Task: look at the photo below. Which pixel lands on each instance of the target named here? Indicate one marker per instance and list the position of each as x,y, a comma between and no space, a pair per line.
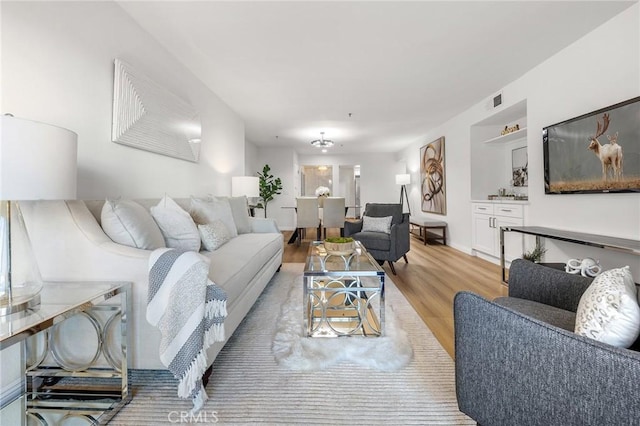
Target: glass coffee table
343,294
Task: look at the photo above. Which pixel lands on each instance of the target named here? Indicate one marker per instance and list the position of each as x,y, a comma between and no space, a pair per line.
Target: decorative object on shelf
269,186
511,129
147,116
38,162
586,267
432,176
322,142
340,246
403,180
322,192
536,254
520,167
569,148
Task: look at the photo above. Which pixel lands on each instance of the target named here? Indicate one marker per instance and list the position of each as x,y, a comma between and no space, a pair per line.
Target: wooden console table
601,241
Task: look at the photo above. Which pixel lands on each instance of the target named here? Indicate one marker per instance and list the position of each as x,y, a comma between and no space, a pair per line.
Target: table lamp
246,185
404,180
38,161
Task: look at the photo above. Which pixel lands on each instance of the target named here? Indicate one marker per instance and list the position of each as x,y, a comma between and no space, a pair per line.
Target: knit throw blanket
189,310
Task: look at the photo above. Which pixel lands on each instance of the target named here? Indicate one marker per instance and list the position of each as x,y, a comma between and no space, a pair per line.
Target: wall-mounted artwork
149,117
519,167
432,174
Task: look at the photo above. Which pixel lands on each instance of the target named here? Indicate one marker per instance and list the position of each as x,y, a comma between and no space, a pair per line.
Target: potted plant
339,245
269,186
536,254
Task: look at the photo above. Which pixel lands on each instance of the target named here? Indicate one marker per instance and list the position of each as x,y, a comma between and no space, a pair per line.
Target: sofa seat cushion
374,240
237,262
549,314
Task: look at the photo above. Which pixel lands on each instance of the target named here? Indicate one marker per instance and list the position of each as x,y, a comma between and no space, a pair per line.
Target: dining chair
333,214
307,216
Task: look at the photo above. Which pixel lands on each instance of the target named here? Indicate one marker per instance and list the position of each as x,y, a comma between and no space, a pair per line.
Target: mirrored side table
72,352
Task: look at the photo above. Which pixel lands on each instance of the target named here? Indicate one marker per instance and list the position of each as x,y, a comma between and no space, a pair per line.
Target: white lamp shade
38,161
245,185
404,179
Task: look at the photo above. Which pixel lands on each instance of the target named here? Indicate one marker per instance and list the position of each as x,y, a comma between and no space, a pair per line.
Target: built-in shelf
509,137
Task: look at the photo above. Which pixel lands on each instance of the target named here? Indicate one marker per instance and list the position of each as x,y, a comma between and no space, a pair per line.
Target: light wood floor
434,274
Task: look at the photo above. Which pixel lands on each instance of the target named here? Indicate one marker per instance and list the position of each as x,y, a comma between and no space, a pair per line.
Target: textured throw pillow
608,310
240,212
209,209
214,234
127,222
376,224
177,227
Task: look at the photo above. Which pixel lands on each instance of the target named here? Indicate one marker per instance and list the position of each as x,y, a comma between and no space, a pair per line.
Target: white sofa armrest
262,226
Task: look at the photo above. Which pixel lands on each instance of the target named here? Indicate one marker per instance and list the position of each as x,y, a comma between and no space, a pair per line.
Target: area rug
248,386
292,349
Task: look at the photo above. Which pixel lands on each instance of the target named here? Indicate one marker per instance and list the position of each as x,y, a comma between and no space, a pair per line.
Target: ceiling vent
495,101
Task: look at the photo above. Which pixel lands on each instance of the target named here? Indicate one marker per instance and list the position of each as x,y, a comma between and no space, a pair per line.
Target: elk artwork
610,154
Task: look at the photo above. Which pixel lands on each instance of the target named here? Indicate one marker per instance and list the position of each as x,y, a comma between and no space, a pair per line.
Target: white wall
251,166
568,84
57,67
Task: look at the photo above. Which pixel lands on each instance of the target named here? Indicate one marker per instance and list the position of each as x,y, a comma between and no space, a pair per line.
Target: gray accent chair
518,361
383,247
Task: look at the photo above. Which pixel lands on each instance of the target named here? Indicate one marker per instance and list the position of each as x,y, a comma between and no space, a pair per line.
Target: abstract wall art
432,177
149,117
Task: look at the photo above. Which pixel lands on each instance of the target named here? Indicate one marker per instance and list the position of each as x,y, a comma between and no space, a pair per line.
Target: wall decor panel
147,116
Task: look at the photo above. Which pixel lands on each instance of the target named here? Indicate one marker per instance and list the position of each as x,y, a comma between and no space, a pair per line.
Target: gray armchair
518,361
383,247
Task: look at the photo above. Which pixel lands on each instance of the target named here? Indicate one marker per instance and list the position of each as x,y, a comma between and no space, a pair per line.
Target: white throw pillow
376,224
177,227
608,310
214,234
127,222
240,212
209,209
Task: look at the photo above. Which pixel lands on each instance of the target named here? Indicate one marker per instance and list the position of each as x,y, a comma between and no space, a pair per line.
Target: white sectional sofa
70,244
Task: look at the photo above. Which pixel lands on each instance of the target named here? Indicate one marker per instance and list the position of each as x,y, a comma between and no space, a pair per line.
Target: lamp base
18,304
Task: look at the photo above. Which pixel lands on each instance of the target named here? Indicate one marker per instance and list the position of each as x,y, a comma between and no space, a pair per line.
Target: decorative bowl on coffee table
339,246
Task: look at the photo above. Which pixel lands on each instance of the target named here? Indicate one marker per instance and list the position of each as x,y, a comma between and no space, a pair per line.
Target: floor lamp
37,162
404,180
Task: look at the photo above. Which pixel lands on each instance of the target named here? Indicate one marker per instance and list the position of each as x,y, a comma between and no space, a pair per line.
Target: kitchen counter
502,201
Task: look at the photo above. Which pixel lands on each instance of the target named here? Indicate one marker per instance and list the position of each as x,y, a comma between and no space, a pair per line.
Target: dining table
294,235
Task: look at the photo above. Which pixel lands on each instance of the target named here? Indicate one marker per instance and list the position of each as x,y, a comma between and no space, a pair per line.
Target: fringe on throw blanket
189,310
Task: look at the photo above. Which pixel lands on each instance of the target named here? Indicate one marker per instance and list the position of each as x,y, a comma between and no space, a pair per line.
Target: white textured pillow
177,227
608,310
214,234
240,212
127,222
207,210
376,224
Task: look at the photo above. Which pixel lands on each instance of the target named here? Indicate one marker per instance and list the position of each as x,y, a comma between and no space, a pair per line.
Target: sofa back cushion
127,222
206,210
240,212
177,227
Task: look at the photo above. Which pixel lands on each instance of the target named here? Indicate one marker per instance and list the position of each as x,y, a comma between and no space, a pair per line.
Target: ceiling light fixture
322,142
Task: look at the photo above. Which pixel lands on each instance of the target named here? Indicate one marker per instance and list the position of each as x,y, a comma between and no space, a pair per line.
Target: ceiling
374,76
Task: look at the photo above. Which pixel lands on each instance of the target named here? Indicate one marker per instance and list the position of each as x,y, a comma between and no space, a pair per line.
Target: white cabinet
487,220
